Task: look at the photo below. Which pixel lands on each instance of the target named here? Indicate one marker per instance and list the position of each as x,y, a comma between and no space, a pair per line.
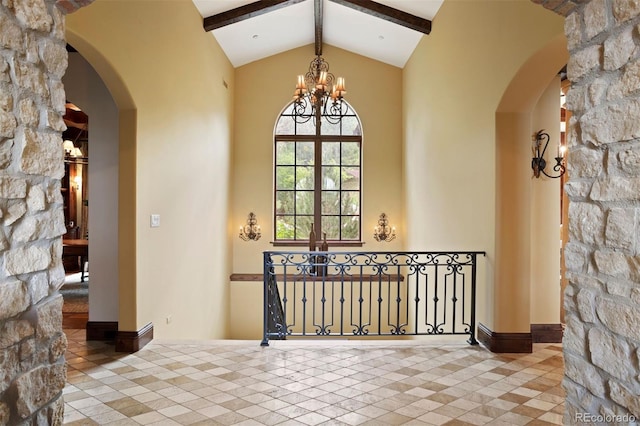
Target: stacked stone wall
33,59
602,301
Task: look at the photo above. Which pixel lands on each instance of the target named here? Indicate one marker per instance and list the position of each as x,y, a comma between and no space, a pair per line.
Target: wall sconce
538,162
250,231
384,232
77,181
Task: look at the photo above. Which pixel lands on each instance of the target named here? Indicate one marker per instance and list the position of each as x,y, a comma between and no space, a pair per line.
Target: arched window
318,173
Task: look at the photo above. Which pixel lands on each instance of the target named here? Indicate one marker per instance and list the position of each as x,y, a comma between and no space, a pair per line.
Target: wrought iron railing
357,294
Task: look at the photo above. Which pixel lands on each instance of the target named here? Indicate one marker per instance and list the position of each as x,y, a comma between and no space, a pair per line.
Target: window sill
306,243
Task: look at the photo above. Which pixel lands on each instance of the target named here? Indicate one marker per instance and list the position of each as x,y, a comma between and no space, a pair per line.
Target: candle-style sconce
250,231
384,232
538,163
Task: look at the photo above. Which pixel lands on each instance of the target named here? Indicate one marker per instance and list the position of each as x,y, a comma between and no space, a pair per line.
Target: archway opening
91,81
519,201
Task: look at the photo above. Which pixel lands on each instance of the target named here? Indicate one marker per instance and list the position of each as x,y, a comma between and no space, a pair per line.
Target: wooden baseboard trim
133,341
102,330
547,333
505,342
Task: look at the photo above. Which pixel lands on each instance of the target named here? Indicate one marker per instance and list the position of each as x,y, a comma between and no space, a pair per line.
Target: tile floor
311,383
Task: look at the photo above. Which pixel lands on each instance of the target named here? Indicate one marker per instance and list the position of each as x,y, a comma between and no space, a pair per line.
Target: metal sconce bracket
538,163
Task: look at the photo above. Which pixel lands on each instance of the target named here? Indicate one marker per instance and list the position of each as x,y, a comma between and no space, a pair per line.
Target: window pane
304,202
284,177
350,153
331,178
284,153
303,227
304,178
330,153
330,202
284,202
285,126
308,128
330,128
288,110
350,228
351,178
350,203
304,153
331,225
351,126
285,228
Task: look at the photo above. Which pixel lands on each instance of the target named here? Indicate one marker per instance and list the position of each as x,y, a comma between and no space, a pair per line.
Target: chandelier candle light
251,231
318,93
538,163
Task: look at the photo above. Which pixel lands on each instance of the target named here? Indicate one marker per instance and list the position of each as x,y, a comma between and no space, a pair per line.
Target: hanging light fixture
538,163
68,147
72,153
319,94
77,152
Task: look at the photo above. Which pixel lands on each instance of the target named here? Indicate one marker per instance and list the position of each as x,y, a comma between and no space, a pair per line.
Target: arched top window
318,173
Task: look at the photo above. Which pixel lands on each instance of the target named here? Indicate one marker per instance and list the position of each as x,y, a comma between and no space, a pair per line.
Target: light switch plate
155,220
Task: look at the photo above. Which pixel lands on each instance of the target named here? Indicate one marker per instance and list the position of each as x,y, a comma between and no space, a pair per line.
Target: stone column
602,338
33,59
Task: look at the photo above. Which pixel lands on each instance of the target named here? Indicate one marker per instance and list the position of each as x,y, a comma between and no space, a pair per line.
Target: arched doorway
92,83
75,243
516,203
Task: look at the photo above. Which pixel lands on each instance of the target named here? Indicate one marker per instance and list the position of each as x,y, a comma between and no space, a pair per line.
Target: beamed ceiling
385,30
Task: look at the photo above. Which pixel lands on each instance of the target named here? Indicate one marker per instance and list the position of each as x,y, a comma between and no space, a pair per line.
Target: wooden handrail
328,277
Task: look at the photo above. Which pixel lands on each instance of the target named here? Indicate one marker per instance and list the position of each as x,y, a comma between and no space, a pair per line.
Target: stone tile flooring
310,383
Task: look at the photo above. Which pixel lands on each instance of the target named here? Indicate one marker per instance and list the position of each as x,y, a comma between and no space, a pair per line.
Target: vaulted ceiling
384,30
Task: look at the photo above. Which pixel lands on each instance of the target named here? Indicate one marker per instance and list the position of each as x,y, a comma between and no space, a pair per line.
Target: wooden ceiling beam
242,13
317,13
388,14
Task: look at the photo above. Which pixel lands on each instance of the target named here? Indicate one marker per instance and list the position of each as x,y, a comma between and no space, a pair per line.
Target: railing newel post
472,324
265,269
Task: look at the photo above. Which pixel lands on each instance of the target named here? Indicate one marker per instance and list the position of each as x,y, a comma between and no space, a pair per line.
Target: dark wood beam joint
242,13
317,12
388,14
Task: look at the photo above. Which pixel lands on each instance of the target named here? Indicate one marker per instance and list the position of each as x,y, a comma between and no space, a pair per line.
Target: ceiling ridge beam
317,13
242,13
387,13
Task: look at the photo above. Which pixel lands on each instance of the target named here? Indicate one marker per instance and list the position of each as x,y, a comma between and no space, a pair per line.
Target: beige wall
262,90
453,85
545,216
508,302
438,188
166,75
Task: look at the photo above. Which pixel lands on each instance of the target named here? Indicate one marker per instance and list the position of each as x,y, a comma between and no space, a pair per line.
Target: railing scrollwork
344,294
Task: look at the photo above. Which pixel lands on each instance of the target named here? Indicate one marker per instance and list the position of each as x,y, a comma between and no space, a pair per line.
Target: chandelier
319,95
